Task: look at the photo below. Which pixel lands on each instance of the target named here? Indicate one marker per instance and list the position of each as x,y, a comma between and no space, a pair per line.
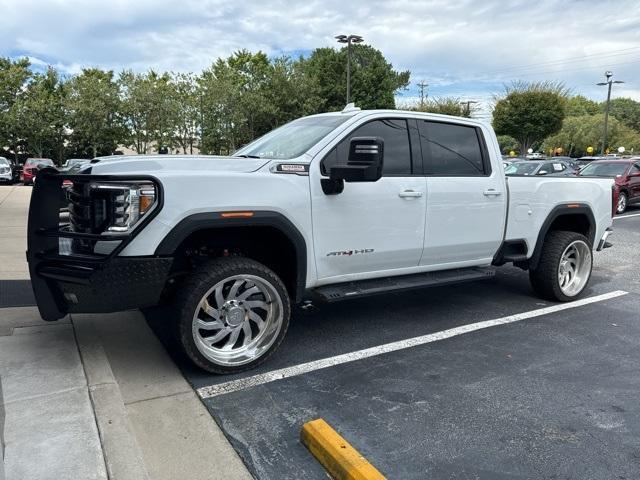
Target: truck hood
149,164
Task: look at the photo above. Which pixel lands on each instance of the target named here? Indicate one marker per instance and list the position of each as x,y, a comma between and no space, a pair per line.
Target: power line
626,51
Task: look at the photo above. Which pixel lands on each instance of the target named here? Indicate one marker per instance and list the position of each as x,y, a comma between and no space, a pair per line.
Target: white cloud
464,48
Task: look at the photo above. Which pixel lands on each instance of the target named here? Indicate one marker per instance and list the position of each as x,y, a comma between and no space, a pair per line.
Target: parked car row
624,171
626,174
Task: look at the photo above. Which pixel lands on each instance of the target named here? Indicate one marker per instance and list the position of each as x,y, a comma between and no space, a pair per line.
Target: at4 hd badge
348,253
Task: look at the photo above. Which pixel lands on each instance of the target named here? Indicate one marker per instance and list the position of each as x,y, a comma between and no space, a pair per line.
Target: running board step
363,288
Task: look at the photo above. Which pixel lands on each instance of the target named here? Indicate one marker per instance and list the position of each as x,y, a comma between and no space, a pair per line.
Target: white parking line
626,216
261,379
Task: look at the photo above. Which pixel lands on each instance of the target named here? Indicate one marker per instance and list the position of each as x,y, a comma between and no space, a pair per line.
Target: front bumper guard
66,282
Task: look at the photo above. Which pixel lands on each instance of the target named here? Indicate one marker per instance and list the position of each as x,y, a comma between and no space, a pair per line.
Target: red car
625,172
30,169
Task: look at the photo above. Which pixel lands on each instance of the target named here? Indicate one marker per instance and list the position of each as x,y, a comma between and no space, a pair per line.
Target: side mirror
542,172
364,164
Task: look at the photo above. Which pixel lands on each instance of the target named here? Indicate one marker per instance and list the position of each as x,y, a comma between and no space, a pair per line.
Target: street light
609,82
349,39
467,109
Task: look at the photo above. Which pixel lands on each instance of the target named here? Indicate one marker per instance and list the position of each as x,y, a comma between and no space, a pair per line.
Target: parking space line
626,216
268,377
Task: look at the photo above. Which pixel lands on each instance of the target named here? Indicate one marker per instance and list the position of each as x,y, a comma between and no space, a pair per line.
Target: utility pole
423,86
467,110
349,39
609,75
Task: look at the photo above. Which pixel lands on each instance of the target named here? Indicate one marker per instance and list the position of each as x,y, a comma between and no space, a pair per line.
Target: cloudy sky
466,48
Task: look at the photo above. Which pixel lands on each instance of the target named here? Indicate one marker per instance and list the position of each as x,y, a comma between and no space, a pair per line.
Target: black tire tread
544,279
184,301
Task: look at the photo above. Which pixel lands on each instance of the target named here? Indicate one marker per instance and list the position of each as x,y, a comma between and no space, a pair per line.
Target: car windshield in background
4,162
293,139
39,161
598,169
522,168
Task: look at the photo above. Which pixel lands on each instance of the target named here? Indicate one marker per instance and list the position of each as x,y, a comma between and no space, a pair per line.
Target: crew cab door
369,226
466,196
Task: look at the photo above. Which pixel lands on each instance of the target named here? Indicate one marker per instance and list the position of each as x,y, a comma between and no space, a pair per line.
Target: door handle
491,192
409,194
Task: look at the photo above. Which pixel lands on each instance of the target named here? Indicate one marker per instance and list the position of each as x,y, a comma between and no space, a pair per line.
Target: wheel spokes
233,338
215,325
248,334
248,292
257,304
233,291
256,319
218,336
209,310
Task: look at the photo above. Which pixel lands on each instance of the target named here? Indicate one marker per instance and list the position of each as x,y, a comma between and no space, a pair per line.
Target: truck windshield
598,169
4,162
293,139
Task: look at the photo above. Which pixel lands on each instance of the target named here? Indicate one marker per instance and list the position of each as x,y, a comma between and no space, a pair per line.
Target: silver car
540,167
6,175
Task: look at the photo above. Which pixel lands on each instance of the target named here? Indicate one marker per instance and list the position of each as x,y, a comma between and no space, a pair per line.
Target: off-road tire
544,278
194,288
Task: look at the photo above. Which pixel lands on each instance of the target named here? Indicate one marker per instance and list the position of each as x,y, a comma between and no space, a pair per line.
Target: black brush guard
72,282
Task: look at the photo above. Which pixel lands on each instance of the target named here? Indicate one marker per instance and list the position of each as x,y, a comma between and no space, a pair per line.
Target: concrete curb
123,456
337,456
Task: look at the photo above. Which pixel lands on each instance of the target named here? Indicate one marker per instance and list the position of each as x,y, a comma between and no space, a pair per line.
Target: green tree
187,114
374,82
246,95
530,112
148,110
14,75
627,111
41,115
579,105
507,144
445,106
578,133
94,106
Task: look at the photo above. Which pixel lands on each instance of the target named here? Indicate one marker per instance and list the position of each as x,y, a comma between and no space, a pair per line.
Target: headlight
122,206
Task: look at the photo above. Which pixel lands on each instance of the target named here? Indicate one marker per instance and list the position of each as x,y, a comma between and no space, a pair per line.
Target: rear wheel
622,203
564,268
232,314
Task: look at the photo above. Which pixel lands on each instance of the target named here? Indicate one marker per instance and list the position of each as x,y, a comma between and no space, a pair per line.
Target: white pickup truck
327,207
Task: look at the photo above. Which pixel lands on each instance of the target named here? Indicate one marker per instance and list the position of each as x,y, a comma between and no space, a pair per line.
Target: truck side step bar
363,288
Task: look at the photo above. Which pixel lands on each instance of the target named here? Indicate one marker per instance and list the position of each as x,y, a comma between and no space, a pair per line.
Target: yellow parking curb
337,456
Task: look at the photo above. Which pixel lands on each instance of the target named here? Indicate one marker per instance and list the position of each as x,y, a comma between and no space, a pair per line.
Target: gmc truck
326,208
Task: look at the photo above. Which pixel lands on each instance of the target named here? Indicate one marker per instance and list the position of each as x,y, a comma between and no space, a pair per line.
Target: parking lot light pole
609,75
349,39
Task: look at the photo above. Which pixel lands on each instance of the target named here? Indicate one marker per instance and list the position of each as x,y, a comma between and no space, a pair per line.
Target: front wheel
564,268
622,203
232,314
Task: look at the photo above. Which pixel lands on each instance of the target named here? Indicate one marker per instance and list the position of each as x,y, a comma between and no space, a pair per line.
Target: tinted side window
451,149
397,151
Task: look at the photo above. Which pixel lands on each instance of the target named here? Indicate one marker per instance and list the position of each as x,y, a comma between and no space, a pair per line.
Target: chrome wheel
574,268
237,320
622,203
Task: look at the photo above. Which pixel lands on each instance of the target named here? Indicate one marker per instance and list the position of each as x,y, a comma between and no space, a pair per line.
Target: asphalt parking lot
552,394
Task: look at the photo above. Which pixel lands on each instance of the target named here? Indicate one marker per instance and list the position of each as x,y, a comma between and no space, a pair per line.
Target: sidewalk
96,396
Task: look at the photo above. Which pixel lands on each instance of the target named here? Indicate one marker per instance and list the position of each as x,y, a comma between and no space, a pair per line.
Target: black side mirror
364,163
